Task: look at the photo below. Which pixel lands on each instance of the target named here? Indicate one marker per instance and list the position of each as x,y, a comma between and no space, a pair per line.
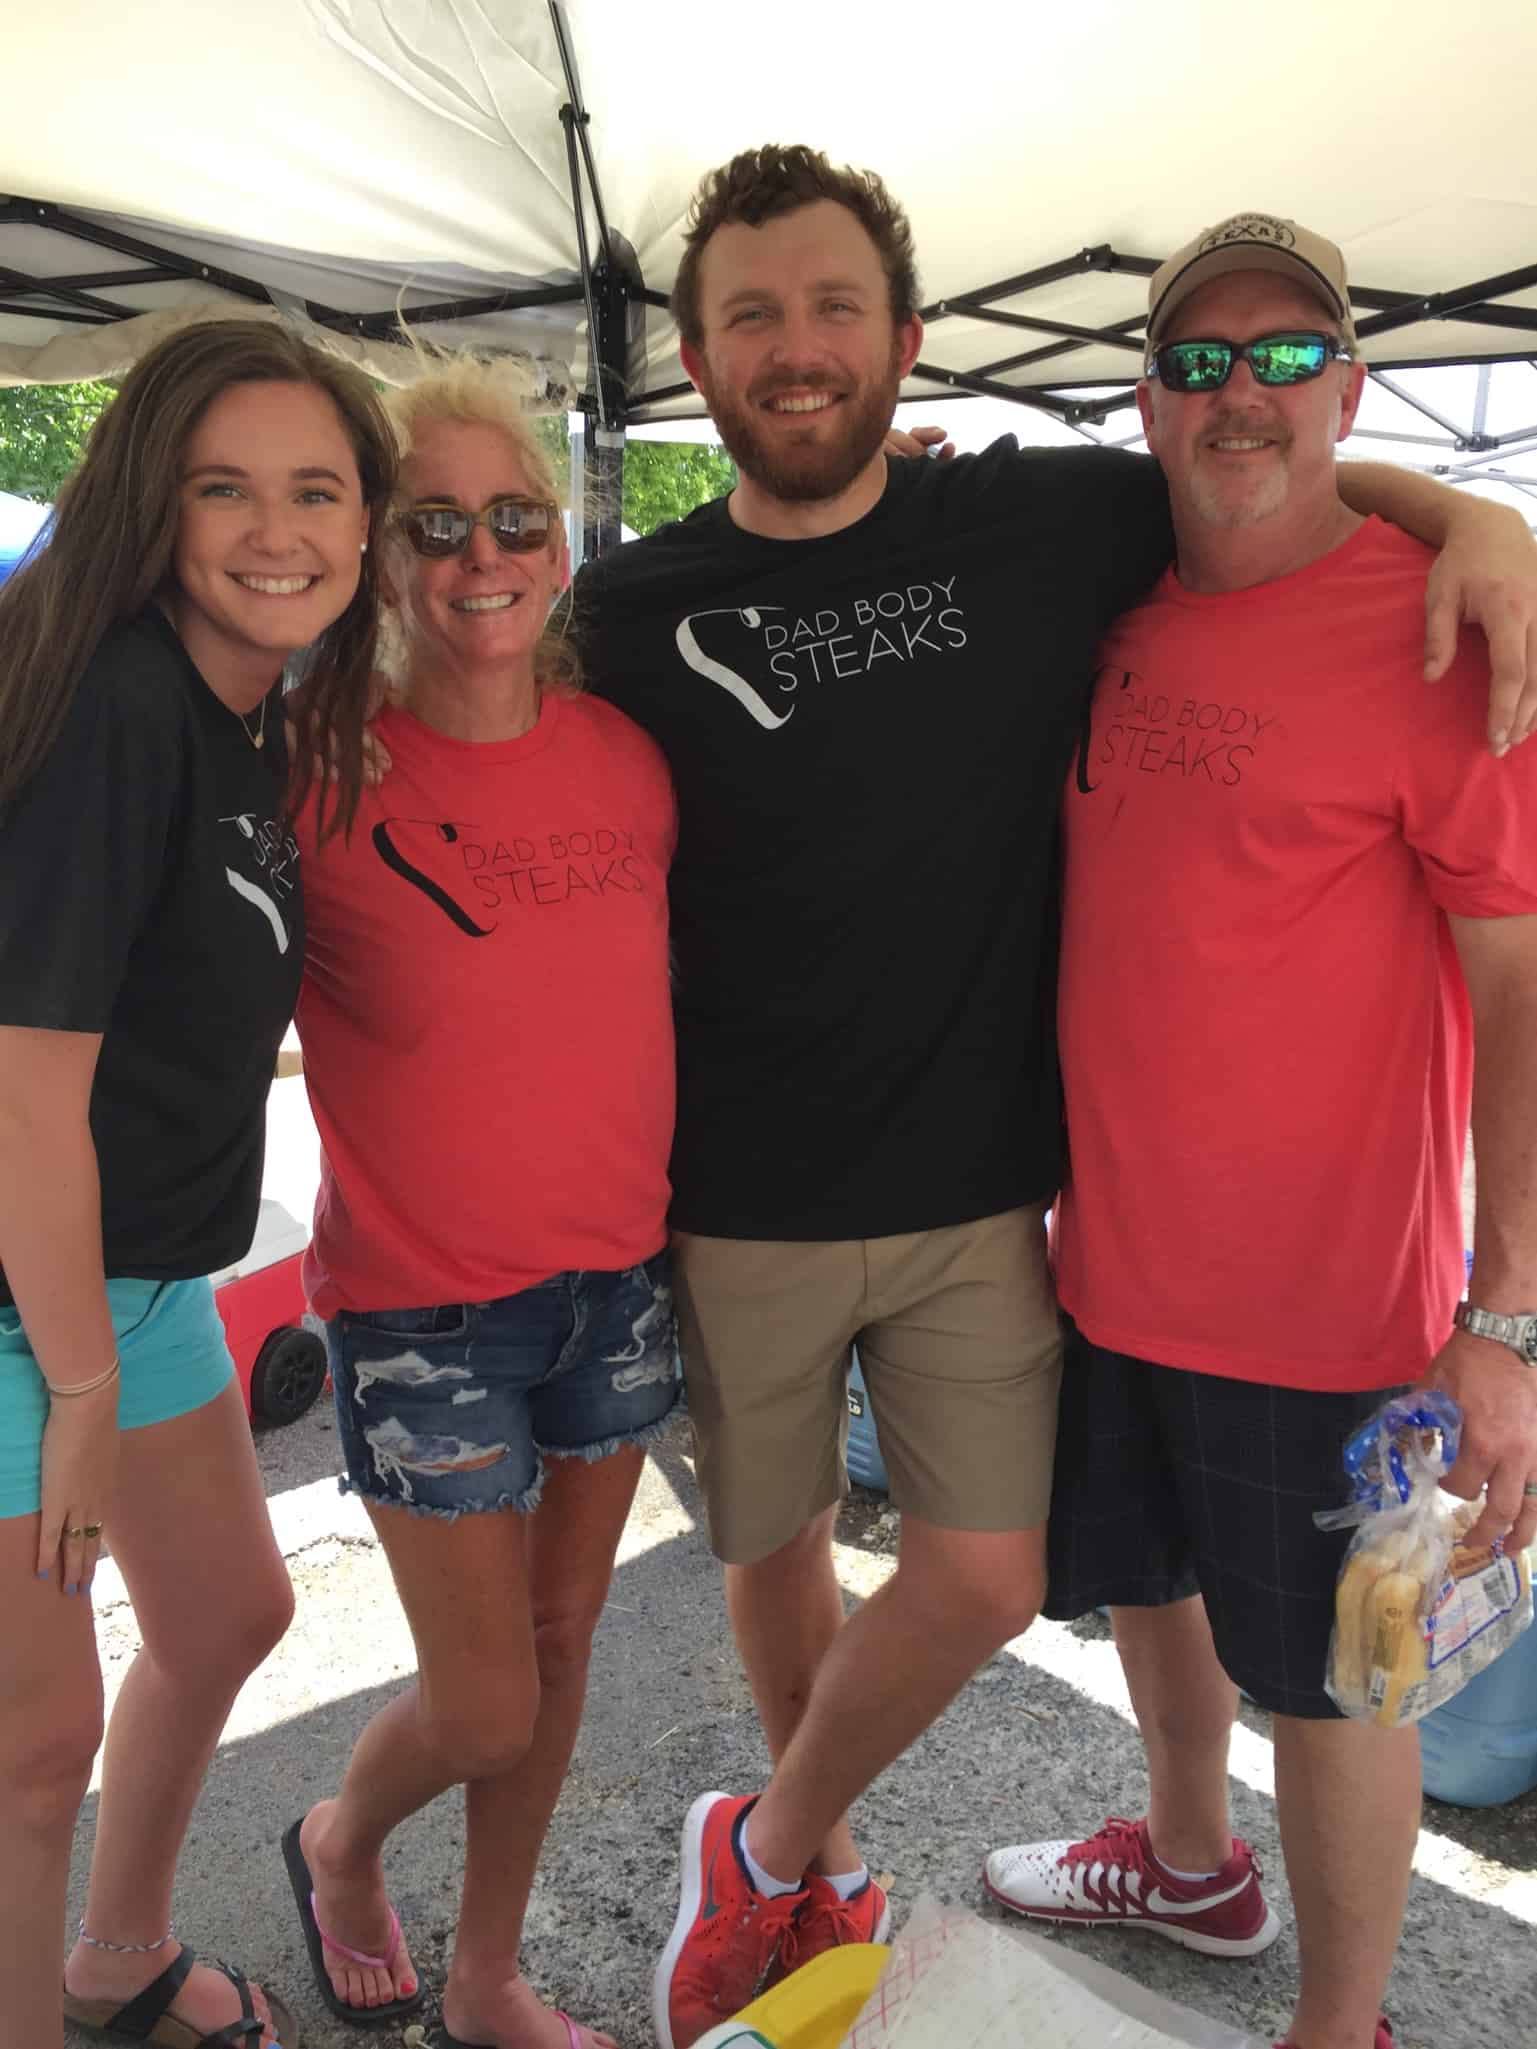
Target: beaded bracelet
126,1949
86,1386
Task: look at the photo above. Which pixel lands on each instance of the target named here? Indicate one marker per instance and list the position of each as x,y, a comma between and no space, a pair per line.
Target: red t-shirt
1266,1044
486,1014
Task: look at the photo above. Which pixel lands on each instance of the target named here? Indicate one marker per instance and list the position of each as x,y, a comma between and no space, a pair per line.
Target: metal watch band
1518,1332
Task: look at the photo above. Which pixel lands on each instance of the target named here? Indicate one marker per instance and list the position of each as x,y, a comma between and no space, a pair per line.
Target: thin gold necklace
259,737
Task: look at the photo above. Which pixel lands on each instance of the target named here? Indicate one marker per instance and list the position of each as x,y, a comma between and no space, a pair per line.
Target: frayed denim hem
647,1435
523,1504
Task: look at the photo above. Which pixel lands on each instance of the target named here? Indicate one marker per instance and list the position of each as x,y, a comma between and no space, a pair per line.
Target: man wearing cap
1298,887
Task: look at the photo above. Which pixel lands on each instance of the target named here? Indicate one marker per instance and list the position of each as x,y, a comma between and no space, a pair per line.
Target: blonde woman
488,1045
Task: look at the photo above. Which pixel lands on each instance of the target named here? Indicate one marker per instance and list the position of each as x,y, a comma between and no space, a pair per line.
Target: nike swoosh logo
1157,1901
709,1906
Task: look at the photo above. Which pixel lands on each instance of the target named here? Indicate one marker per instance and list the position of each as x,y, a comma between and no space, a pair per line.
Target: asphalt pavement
1040,1744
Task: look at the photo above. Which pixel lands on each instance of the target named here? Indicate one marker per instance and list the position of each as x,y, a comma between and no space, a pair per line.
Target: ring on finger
95,1529
1530,1490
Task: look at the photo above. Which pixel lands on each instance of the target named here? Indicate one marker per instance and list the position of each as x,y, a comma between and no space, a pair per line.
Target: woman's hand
80,1442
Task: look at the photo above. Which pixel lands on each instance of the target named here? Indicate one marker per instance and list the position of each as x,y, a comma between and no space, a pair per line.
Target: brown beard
799,476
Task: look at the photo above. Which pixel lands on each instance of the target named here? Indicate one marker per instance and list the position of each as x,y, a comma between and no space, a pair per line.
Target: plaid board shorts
1170,1483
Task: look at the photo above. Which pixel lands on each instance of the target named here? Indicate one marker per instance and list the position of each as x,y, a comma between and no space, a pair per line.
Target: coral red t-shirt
1266,1042
486,1014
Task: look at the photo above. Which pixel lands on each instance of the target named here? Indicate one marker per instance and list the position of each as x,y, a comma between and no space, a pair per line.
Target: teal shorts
171,1342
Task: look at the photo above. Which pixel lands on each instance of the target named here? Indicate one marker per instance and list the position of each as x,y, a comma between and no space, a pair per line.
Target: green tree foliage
43,429
663,480
666,480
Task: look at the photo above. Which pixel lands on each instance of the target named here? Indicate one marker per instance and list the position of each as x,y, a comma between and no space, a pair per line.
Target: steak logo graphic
444,832
1130,724
746,694
467,872
275,853
758,653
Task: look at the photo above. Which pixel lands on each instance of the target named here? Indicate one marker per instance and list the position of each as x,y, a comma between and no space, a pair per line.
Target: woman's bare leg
190,1533
572,1538
502,1607
50,1726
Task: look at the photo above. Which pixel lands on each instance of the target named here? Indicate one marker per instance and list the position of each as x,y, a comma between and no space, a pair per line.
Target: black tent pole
605,290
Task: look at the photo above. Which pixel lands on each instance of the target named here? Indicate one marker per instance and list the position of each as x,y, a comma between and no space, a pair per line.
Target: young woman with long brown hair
150,952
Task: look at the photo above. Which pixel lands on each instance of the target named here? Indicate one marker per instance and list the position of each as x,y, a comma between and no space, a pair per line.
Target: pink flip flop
358,1956
316,1941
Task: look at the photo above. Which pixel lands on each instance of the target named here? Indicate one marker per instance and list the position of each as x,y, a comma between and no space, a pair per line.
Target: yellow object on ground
813,2008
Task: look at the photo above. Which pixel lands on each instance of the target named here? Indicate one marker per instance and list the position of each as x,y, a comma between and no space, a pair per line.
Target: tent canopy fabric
347,158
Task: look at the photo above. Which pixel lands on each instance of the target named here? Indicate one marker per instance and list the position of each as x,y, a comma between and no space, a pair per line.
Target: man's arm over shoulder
1485,575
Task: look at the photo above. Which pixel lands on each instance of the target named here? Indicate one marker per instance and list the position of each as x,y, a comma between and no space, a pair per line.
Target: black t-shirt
869,734
149,891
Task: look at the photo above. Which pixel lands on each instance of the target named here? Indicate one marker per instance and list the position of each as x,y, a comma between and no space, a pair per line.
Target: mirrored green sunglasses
1275,359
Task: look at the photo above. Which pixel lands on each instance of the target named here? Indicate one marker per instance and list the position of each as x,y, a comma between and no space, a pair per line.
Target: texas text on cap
1250,241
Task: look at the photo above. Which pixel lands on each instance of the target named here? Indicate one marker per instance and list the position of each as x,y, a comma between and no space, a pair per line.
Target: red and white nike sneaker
1113,1880
724,1944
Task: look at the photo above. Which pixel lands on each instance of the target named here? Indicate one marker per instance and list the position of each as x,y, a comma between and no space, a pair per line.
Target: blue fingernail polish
45,1574
72,1590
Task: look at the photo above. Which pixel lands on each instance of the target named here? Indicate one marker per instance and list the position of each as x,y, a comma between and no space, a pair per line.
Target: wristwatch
1519,1332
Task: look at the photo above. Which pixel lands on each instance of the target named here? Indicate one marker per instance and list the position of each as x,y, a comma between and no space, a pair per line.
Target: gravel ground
1039,1744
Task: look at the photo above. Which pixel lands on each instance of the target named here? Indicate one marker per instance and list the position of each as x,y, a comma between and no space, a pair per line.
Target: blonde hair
477,391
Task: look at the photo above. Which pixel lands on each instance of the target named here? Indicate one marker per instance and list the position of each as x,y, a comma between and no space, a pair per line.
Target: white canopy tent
517,174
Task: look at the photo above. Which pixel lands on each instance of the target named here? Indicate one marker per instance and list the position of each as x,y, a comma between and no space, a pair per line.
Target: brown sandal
147,2016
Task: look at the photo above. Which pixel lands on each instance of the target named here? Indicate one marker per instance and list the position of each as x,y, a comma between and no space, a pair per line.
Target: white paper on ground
957,1982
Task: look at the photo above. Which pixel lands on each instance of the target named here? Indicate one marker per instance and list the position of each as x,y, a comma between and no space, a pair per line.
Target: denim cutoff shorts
450,1410
171,1342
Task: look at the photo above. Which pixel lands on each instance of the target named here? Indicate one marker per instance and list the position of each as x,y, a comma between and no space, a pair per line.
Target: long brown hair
110,547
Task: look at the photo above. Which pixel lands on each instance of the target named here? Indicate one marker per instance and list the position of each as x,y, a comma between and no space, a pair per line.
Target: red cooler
282,1366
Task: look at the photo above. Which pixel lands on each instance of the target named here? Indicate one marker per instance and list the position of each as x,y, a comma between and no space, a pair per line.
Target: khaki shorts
959,1344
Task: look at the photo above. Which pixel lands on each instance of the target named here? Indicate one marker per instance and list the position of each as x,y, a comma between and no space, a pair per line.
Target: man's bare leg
1348,1796
785,1611
1185,1706
955,1598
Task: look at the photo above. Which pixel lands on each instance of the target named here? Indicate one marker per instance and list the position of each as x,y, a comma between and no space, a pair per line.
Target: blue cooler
1481,1747
863,1451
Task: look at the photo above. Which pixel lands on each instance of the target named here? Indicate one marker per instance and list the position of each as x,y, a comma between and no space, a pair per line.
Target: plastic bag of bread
1417,1613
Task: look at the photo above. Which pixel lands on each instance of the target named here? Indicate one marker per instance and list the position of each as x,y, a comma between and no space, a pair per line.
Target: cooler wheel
289,1373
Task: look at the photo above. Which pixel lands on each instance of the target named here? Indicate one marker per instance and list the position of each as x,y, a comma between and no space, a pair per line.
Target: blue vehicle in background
20,523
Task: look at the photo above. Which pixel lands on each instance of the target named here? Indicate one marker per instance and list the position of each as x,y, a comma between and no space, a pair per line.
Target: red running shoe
1113,1880
725,1941
825,1921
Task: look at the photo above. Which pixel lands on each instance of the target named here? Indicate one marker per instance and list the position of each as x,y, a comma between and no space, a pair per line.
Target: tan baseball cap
1250,241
